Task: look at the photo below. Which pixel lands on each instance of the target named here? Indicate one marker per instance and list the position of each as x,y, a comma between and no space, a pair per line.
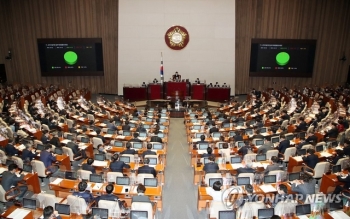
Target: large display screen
71,57
282,58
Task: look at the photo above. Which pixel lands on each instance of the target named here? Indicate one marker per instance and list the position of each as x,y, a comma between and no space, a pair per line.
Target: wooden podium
198,91
135,93
155,91
177,90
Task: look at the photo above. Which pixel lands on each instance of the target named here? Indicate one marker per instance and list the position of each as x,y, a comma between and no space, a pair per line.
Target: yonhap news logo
234,197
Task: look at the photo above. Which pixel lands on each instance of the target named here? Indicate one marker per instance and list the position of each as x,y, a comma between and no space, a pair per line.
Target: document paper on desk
97,186
298,158
339,215
121,136
236,165
99,163
65,141
303,217
325,154
268,188
57,181
2,169
19,213
108,136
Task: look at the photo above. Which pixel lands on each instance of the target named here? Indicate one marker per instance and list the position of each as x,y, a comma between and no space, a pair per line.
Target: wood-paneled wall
328,21
23,21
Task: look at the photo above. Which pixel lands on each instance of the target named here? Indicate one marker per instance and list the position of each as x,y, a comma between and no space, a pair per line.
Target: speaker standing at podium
176,77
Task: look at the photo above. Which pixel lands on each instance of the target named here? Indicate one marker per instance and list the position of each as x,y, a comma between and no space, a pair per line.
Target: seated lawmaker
10,149
311,159
274,165
147,169
49,213
209,152
83,193
302,126
248,168
176,77
109,196
116,165
28,153
149,151
128,149
304,186
211,166
140,197
10,179
88,165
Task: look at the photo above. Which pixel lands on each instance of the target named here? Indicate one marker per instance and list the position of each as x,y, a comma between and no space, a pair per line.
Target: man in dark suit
98,132
209,152
45,137
148,151
135,139
128,149
311,138
82,193
247,169
48,213
73,146
284,115
238,137
202,137
88,166
111,125
55,140
211,166
210,122
147,169
47,157
116,165
10,149
302,127
244,150
284,144
126,127
333,132
156,138
336,156
346,148
27,153
266,146
109,196
305,186
311,159
213,129
140,128
140,197
344,178
9,179
258,135
273,166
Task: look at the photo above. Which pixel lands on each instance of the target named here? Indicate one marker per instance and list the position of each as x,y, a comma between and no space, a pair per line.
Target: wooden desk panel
328,183
32,181
64,162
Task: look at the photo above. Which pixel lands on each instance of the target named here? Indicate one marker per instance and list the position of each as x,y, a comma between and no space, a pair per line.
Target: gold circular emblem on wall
177,37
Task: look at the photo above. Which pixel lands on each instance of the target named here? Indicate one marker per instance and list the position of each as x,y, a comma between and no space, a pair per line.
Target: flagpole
161,68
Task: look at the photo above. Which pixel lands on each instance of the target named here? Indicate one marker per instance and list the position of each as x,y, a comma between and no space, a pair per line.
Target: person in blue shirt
82,193
116,165
47,157
108,196
27,153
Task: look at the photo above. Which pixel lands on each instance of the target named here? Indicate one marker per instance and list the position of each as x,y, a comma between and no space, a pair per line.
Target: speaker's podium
176,92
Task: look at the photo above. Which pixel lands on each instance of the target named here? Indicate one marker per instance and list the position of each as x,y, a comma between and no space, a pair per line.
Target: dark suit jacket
135,140
333,133
302,126
206,155
272,167
88,167
283,146
346,180
265,147
128,151
346,150
305,189
117,166
245,170
211,168
47,158
107,197
244,150
148,152
73,146
214,129
10,179
10,150
44,139
85,195
210,122
147,169
55,141
27,155
238,138
156,139
311,139
311,160
126,127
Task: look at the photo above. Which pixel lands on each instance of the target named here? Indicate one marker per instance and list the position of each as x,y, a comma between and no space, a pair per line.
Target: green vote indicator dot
282,58
70,57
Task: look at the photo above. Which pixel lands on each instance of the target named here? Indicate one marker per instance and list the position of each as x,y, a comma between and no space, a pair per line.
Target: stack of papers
65,141
108,135
298,158
93,133
338,214
257,164
268,188
216,139
325,154
142,138
121,136
2,169
99,163
21,147
236,165
57,181
195,139
194,130
19,213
